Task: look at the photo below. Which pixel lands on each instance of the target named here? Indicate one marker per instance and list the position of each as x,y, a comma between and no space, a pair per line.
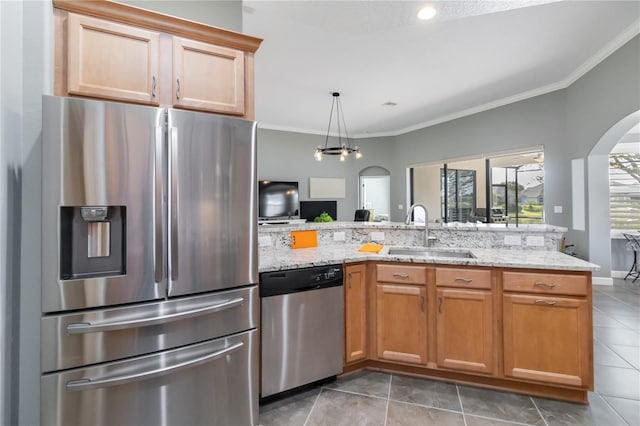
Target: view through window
498,188
624,187
459,188
518,192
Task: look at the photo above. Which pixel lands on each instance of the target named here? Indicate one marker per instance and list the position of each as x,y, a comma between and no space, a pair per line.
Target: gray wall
289,156
219,13
535,121
26,73
595,103
568,123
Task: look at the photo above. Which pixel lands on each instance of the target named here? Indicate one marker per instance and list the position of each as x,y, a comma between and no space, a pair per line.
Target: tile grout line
352,392
539,412
619,300
431,407
499,420
613,408
313,406
621,357
386,412
464,418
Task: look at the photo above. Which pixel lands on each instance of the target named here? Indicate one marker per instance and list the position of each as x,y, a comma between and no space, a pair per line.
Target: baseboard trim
601,281
619,274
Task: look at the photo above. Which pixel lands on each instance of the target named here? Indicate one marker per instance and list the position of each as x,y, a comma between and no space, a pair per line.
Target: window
624,190
457,194
518,191
494,184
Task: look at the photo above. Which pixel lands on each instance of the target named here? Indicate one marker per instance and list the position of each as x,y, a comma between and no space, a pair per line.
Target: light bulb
358,153
345,151
318,155
342,157
426,13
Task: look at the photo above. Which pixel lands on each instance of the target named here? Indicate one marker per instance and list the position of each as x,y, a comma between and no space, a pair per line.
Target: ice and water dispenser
93,241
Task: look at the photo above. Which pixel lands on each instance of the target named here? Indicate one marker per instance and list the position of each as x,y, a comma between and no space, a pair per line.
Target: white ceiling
474,55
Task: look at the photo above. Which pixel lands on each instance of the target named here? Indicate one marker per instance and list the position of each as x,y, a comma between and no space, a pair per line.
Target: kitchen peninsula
514,313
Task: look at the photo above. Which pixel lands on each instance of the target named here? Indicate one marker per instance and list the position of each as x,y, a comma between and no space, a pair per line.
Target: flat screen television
278,200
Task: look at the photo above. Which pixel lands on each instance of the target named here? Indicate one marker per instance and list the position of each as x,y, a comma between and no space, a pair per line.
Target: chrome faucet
407,221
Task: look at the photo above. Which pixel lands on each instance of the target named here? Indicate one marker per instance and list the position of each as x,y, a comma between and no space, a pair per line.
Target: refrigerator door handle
86,384
83,328
158,201
173,172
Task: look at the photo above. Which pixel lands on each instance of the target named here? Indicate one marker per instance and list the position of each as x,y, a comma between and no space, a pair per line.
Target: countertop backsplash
523,237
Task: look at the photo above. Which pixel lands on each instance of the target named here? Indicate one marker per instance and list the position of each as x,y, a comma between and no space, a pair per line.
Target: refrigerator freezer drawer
210,383
92,337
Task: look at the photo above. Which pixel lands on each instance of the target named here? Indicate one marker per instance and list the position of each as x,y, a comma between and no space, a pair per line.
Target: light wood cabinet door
111,60
208,77
547,339
355,293
465,330
402,323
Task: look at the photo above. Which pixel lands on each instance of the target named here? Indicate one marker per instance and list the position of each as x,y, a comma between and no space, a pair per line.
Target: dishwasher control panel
303,279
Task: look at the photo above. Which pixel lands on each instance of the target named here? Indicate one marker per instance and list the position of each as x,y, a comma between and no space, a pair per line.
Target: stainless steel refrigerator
149,285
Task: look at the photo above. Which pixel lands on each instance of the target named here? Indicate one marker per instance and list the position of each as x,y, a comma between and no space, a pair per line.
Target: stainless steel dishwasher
302,327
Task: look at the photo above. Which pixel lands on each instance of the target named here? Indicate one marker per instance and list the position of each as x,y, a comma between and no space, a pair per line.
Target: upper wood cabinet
208,77
113,51
111,60
355,294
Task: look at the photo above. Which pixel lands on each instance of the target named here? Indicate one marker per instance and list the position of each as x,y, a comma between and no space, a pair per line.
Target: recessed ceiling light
427,12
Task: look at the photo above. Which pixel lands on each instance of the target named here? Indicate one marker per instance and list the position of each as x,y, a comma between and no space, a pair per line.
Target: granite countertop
281,259
493,227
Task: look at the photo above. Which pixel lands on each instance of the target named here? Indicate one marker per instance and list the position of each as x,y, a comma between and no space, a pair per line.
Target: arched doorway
598,193
374,191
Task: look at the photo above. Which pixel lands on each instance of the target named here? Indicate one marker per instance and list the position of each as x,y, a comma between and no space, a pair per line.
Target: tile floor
374,398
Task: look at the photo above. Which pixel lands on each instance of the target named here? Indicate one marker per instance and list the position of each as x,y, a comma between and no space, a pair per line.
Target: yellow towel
371,248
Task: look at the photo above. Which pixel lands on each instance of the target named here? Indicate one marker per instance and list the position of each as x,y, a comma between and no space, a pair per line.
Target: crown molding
630,32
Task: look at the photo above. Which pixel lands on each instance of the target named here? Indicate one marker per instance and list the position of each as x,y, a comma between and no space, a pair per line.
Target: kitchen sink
427,252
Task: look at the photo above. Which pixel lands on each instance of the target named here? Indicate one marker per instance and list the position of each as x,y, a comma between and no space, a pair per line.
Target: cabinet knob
464,280
178,88
153,87
439,305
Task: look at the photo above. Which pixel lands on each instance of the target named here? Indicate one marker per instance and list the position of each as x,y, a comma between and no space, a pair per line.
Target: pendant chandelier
343,149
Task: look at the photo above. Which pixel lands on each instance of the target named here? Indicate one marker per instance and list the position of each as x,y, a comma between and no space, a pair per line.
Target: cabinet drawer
463,278
531,282
402,274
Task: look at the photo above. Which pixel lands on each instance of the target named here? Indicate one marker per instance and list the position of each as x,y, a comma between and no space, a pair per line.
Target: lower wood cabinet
465,330
355,293
548,339
401,333
528,331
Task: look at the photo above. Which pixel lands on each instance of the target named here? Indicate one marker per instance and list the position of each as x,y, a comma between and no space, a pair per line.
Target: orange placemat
371,248
304,239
